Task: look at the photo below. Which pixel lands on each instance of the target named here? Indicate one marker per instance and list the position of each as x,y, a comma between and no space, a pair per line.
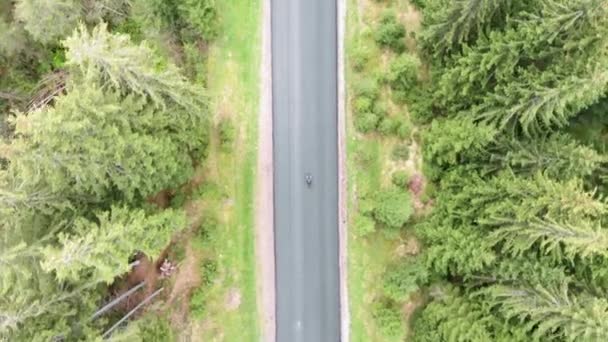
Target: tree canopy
515,244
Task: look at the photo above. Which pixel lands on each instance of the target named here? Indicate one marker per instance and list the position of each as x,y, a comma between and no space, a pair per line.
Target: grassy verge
370,165
229,176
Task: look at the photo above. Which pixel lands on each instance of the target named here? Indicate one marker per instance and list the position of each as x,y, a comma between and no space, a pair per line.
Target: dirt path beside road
264,217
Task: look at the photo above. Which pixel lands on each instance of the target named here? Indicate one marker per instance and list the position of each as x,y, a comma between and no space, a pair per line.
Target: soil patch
233,299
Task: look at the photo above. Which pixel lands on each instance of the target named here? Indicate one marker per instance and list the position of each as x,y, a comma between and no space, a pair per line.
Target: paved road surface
304,53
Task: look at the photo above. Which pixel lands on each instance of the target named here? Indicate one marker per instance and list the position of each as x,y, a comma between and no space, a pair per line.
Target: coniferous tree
91,143
558,156
539,52
48,21
101,251
559,239
554,311
451,24
112,59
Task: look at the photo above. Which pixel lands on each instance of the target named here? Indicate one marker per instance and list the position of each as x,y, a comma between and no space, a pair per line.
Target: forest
103,105
511,100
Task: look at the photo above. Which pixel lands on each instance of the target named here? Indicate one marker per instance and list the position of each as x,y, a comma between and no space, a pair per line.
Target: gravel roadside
264,218
342,176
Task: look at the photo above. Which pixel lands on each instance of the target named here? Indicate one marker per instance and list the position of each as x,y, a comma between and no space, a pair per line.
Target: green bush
366,206
364,225
380,109
400,178
391,33
360,56
403,129
393,208
202,16
366,122
208,272
179,199
209,190
420,4
198,303
195,63
227,133
205,233
400,152
363,104
388,317
367,87
404,278
403,73
364,155
152,328
387,126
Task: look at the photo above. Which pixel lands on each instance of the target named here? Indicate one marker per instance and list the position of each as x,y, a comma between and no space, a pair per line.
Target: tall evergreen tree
113,60
554,311
451,24
101,251
93,143
558,156
537,51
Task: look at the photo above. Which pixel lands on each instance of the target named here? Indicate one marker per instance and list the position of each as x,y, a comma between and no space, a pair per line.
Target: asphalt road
305,116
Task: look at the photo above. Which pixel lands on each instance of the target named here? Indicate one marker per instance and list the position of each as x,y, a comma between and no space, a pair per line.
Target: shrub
380,109
205,233
364,155
366,206
400,178
209,190
227,133
198,303
364,225
363,104
360,56
195,66
403,129
420,4
202,16
404,278
403,73
387,126
391,33
401,152
387,315
208,272
155,329
179,199
366,123
393,208
367,87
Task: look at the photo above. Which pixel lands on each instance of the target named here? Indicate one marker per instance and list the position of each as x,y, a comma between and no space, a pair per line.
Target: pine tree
546,44
452,317
92,143
558,157
540,102
113,60
101,251
559,239
554,311
466,199
48,21
449,142
450,25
